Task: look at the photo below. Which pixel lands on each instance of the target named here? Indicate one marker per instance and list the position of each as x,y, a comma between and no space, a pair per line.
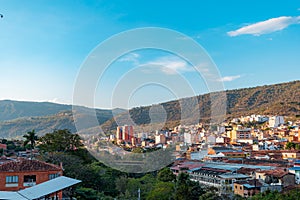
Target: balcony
29,184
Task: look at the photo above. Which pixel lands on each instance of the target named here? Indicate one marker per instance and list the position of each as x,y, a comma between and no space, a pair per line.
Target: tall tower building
119,133
127,132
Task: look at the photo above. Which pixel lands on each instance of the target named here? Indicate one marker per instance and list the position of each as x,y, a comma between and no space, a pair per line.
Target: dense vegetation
102,182
287,195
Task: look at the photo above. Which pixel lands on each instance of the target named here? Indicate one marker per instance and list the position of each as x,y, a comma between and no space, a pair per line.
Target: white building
161,138
275,121
187,138
211,140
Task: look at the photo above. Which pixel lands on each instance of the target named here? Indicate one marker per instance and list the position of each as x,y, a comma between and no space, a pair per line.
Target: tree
186,189
31,138
60,141
162,191
182,187
121,184
138,150
290,145
166,175
210,195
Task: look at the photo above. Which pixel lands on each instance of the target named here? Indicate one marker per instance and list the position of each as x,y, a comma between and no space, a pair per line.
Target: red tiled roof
3,146
27,165
276,172
233,152
245,170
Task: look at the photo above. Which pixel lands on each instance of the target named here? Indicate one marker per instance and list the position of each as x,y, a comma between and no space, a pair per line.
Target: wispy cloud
131,57
229,78
265,27
169,65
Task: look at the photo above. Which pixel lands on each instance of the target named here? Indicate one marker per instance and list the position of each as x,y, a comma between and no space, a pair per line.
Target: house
290,154
276,177
19,174
185,166
219,149
247,188
234,154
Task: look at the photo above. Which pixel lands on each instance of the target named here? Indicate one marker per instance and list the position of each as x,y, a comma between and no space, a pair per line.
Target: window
241,187
52,176
29,178
12,179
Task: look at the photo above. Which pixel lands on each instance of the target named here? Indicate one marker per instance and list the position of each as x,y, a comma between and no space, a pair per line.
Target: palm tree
31,138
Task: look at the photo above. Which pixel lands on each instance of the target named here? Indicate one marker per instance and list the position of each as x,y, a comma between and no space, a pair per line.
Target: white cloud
131,57
264,27
169,65
229,78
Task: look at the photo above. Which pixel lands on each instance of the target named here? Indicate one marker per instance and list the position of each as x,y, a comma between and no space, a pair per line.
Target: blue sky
44,43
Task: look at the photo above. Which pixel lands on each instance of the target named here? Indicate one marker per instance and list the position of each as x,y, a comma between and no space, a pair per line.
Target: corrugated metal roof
249,186
295,168
235,166
48,187
11,195
233,175
41,189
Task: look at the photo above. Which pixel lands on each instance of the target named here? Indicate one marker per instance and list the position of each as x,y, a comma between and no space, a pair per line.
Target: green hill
278,99
16,118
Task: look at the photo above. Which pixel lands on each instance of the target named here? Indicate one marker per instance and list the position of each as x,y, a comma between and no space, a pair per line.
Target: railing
29,184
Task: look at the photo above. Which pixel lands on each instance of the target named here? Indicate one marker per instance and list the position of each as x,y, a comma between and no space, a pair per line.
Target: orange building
247,188
21,174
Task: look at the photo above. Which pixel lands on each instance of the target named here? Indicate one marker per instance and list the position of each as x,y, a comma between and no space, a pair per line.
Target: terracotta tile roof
244,170
279,173
27,165
233,152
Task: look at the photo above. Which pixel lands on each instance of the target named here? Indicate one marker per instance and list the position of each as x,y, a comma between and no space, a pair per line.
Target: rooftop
40,190
276,172
295,168
250,183
27,165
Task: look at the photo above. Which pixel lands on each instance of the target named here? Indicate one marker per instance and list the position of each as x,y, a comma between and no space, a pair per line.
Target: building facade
20,174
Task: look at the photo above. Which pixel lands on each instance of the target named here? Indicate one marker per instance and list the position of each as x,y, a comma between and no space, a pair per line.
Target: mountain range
17,117
278,99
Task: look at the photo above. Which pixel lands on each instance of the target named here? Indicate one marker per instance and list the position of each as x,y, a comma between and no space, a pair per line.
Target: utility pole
139,194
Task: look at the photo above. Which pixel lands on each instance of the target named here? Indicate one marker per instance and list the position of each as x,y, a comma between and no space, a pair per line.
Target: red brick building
21,174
